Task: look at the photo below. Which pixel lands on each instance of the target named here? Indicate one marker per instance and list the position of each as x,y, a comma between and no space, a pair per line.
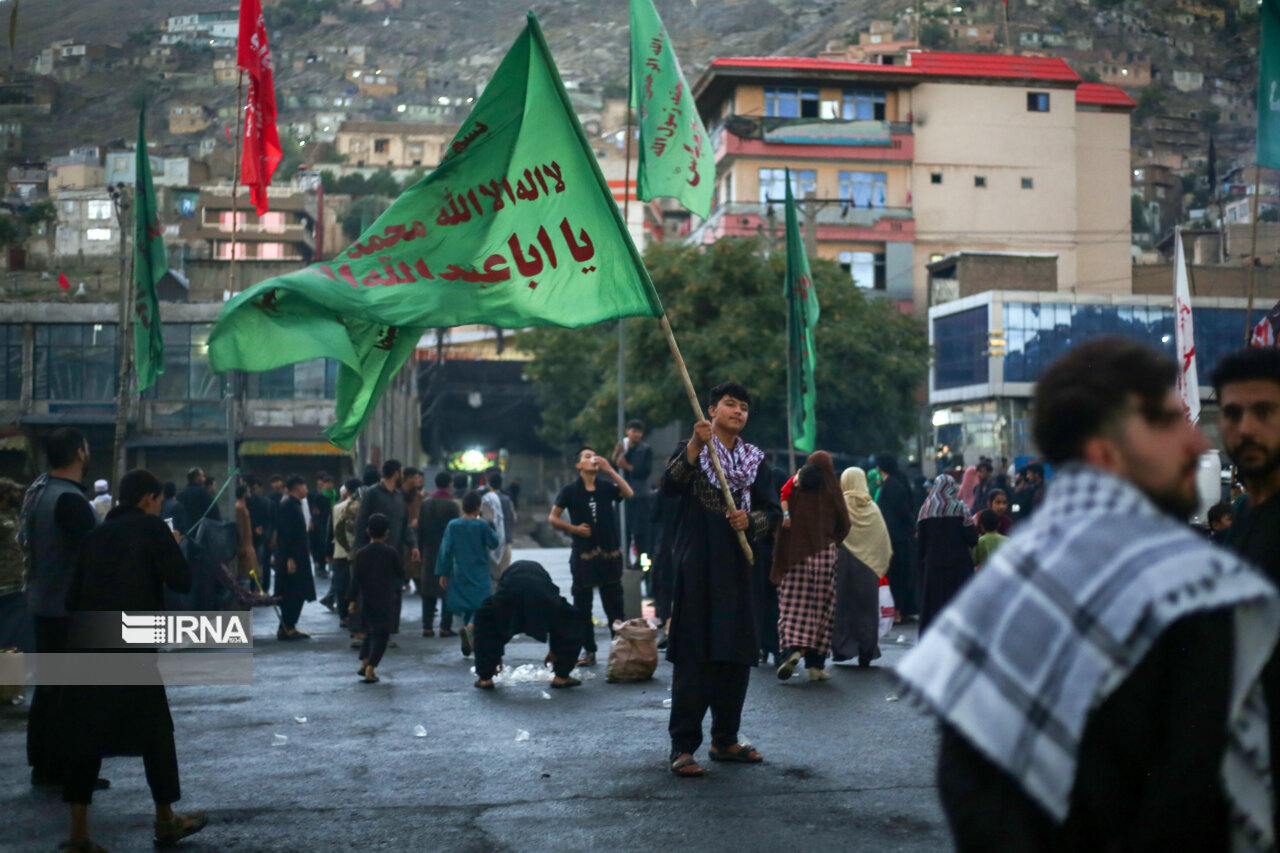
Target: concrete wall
1103,214
1157,280
209,277
980,273
963,131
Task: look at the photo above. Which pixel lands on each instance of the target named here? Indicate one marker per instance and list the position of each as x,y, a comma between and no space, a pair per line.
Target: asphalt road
847,767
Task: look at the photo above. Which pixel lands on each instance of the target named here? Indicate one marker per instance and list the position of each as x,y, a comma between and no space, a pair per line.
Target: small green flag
150,263
1269,86
676,160
516,227
802,308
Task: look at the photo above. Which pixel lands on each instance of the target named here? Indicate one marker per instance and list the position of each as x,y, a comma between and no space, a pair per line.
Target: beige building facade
393,145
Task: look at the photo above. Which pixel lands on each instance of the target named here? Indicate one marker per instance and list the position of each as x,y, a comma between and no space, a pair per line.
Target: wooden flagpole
697,408
235,183
622,328
1253,255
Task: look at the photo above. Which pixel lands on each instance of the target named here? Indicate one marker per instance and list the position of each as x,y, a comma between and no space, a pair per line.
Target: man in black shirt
634,458
55,519
596,559
195,499
1247,385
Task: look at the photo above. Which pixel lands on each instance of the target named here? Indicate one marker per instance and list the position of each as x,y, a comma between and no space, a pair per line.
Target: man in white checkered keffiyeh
1098,682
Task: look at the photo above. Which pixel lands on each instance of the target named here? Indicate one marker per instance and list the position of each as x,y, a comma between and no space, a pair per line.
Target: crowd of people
1102,671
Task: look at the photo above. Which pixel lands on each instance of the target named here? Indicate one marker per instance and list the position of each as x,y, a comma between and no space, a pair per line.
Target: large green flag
149,266
802,308
1269,86
676,160
515,228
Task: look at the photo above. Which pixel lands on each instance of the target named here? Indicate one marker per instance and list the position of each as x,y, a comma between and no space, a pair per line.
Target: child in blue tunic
463,564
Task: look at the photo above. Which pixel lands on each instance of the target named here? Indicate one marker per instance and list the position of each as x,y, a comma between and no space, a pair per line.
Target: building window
1037,102
381,146
867,269
224,251
960,345
11,361
98,209
225,220
863,105
75,361
864,189
980,181
97,235
773,184
187,375
271,251
314,380
935,178
1028,183
271,222
790,102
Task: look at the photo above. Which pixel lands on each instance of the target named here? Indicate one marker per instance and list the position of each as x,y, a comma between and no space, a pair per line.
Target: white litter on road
419,731
280,740
521,734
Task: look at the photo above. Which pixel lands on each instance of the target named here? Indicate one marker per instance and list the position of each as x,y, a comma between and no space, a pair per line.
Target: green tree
1138,214
726,306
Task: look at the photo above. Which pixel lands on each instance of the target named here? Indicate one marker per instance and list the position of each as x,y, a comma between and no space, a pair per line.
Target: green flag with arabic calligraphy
150,263
676,160
802,305
516,227
1269,86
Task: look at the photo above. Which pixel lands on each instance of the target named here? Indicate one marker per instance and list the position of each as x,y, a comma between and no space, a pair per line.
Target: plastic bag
633,654
886,608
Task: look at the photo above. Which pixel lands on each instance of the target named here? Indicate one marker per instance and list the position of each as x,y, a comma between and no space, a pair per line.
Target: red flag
226,128
261,141
62,281
1267,332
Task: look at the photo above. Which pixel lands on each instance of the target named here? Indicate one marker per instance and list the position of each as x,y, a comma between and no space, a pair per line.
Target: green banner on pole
802,305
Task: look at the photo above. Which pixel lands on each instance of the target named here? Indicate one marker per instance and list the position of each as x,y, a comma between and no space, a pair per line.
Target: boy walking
463,564
375,583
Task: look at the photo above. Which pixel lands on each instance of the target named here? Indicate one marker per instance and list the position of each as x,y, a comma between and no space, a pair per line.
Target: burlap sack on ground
633,654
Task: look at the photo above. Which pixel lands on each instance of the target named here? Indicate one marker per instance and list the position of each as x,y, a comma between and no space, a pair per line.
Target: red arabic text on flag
261,141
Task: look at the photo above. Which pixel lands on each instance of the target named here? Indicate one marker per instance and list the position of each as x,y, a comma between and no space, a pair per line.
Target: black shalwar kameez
714,638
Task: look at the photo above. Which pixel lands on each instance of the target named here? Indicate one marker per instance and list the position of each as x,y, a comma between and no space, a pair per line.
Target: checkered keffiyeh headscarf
1082,591
740,466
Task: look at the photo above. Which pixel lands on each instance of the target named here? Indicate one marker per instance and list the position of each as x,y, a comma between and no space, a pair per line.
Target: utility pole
122,203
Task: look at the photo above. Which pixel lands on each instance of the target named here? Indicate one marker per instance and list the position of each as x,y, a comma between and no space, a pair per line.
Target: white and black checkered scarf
1060,617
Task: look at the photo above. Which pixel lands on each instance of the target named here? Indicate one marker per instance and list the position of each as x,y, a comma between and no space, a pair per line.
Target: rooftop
923,64
396,127
1101,94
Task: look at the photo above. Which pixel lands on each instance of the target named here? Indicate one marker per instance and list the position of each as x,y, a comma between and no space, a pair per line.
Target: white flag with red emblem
1184,334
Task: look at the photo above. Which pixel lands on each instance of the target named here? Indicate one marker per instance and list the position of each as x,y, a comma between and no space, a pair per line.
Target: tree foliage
726,306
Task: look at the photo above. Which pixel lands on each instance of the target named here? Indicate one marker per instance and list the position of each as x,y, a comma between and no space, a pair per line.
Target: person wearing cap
102,500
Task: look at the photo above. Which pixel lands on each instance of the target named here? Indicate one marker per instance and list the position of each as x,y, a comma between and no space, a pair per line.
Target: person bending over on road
527,602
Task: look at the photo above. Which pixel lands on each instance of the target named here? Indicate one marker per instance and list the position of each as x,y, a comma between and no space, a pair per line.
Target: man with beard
1247,385
1099,681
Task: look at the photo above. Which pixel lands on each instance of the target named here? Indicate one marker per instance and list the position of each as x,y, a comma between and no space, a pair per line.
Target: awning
263,447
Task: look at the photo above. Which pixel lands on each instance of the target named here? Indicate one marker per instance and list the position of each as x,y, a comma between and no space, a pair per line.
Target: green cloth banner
676,160
516,227
1269,86
150,263
802,307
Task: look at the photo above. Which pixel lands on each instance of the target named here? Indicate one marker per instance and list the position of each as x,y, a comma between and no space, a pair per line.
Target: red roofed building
911,162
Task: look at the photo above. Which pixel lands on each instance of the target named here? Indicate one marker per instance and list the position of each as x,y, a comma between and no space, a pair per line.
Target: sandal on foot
370,679
569,681
789,665
737,753
484,683
169,833
687,768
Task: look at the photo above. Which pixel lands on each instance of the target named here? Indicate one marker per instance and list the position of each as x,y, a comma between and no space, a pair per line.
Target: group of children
377,575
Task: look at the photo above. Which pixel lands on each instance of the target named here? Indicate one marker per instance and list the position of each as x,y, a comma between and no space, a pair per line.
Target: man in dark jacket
172,508
714,638
294,581
195,498
55,519
633,457
437,510
125,564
